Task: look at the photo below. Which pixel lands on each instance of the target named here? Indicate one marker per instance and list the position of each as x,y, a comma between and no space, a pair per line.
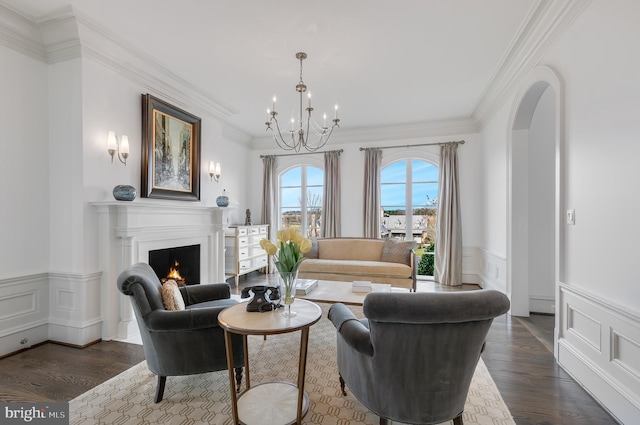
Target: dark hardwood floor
518,355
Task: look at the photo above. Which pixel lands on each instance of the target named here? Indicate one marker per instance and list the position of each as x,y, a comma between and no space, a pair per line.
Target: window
301,191
409,194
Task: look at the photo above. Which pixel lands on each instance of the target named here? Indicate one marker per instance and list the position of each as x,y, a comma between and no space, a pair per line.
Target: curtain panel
269,188
372,161
331,223
448,252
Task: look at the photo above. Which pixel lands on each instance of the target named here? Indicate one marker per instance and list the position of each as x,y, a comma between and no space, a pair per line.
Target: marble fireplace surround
129,230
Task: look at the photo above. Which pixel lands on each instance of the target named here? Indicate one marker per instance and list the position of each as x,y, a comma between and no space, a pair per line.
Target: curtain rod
301,153
411,146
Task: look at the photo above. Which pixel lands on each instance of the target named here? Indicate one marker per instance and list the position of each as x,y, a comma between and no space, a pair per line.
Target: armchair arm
194,294
183,320
354,333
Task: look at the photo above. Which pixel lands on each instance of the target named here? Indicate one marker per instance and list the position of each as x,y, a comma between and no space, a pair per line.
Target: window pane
314,217
315,176
292,177
290,197
394,173
422,171
424,194
393,195
291,219
314,197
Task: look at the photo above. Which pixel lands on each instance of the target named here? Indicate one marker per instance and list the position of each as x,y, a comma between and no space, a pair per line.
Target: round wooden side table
249,406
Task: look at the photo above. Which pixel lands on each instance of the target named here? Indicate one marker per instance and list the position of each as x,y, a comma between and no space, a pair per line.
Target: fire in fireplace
180,263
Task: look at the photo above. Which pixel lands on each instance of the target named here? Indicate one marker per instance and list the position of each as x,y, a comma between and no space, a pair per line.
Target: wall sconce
214,171
122,147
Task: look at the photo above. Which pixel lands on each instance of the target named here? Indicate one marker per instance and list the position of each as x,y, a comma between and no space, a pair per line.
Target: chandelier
306,132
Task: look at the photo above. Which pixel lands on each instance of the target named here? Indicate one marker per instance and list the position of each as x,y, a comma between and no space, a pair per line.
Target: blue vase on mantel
223,200
124,192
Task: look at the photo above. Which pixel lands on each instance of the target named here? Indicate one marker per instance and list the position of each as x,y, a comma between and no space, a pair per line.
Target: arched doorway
533,193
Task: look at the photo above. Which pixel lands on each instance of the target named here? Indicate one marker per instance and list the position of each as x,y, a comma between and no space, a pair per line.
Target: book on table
304,286
361,286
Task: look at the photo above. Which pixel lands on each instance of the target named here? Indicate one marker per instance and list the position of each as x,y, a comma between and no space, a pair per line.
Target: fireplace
179,263
129,231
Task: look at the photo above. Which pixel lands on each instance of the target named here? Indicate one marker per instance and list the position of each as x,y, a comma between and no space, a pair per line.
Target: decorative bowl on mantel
223,200
124,192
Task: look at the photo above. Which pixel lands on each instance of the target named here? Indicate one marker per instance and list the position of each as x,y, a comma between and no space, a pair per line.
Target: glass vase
287,282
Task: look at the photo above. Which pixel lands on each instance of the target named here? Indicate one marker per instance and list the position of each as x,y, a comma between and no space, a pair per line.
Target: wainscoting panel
24,312
599,345
74,305
492,270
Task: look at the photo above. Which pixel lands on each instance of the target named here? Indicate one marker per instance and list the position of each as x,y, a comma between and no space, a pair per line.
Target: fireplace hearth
180,263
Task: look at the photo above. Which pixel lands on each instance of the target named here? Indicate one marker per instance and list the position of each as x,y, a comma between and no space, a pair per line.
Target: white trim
546,22
601,353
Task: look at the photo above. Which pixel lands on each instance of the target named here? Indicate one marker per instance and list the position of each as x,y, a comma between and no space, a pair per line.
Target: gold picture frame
170,151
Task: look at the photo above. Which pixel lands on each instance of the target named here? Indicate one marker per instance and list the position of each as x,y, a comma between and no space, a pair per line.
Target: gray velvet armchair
413,357
184,342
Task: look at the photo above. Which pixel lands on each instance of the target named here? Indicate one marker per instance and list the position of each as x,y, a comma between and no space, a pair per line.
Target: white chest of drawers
243,253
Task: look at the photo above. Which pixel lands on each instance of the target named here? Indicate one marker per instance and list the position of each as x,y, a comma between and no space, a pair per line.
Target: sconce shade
111,141
122,148
214,170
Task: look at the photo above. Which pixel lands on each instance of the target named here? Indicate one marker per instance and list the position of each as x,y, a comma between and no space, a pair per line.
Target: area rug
204,399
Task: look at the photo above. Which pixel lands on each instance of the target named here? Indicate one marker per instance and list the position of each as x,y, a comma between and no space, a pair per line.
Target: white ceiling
383,62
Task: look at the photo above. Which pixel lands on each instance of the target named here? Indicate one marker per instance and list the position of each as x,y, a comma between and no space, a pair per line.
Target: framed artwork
170,151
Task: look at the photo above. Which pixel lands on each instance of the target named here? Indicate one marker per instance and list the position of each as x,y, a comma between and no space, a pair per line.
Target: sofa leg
238,378
383,421
458,420
342,385
160,388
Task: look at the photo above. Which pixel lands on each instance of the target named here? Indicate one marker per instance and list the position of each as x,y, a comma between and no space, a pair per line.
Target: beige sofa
349,259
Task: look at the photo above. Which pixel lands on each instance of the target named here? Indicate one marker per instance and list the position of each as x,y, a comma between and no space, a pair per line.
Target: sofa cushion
171,296
397,252
356,267
350,249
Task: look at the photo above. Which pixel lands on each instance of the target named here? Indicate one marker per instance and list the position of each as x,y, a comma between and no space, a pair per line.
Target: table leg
302,370
246,361
232,381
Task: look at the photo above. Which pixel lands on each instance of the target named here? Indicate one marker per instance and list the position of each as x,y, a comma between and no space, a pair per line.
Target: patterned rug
204,399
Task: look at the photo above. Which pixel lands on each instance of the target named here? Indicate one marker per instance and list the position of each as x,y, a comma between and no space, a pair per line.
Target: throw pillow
397,252
313,252
171,296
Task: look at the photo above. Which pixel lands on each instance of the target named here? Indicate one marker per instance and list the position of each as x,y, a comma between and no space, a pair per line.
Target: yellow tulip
271,249
305,245
283,235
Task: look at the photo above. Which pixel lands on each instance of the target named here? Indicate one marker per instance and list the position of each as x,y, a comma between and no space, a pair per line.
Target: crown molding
546,22
416,130
20,34
66,34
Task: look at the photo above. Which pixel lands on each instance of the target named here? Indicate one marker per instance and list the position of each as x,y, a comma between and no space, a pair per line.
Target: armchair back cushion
413,357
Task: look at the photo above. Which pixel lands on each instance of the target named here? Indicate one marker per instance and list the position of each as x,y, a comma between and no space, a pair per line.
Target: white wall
541,182
598,314
24,174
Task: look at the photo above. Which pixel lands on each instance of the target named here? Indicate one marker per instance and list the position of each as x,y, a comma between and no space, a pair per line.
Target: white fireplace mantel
129,230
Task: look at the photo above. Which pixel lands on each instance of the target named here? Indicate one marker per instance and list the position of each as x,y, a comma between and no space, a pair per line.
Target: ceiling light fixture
306,129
